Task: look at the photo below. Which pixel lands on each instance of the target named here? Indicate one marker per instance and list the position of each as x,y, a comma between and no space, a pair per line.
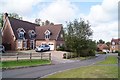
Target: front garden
104,69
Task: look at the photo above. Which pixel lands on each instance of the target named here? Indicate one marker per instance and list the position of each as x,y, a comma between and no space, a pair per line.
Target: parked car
2,49
42,48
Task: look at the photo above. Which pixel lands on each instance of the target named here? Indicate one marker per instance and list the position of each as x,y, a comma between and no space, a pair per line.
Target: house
102,47
115,45
51,35
19,35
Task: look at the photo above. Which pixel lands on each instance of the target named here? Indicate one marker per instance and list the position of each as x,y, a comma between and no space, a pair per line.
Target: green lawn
94,71
21,63
110,60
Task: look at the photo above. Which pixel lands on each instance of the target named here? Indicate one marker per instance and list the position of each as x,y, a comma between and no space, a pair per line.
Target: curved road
41,71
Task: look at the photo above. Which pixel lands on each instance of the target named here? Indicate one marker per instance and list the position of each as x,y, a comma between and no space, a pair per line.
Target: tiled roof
115,40
102,46
16,23
54,29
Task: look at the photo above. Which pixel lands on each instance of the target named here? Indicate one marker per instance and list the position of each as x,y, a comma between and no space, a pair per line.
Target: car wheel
3,51
41,50
49,49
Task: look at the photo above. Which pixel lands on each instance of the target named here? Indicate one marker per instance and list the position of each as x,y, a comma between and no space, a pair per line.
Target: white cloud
103,17
17,6
59,11
104,20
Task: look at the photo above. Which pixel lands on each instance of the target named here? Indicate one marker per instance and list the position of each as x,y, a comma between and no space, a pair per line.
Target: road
41,71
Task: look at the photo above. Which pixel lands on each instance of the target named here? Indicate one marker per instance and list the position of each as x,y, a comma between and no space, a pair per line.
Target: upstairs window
47,34
21,33
32,34
113,43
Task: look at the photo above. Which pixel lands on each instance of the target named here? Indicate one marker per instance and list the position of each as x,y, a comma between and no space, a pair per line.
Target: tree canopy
14,15
77,36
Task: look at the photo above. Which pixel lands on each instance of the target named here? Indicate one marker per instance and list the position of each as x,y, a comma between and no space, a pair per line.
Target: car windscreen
1,46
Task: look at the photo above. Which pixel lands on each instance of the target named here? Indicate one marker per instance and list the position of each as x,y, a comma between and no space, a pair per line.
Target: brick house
51,35
19,34
115,45
102,47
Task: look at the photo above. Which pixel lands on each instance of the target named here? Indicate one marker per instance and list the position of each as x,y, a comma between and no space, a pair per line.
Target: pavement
42,71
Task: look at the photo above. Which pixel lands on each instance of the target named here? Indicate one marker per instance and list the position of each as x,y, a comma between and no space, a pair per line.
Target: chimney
5,16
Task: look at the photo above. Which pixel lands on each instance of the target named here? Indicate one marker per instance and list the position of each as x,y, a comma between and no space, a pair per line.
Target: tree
77,36
100,41
47,22
108,44
1,20
14,15
38,21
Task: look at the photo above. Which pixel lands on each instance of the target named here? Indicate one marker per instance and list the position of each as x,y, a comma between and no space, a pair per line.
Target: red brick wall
8,36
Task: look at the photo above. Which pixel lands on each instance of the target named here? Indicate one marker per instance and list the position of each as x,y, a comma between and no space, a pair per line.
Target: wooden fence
21,56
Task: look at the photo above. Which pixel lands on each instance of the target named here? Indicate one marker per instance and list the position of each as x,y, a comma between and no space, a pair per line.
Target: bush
91,53
84,53
101,52
69,55
64,56
116,52
61,48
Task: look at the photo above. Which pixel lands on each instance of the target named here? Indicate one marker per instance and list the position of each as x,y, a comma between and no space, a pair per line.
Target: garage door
51,46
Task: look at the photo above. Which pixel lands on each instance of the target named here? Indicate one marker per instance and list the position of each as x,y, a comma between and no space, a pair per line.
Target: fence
21,56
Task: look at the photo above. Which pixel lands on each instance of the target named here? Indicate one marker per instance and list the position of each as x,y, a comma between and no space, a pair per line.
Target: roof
54,29
102,46
16,23
115,40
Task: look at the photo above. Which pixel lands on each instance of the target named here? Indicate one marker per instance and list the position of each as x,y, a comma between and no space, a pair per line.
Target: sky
102,14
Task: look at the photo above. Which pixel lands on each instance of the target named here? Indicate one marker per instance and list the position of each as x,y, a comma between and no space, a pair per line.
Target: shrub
69,55
101,52
61,48
91,53
64,56
116,52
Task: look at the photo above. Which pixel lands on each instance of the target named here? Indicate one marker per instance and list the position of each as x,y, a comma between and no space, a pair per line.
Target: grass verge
24,63
94,71
110,60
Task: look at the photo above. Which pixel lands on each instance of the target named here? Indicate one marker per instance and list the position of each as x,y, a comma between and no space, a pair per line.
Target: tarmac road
41,71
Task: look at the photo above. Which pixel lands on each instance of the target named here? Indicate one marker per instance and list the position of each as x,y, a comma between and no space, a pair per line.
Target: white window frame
47,34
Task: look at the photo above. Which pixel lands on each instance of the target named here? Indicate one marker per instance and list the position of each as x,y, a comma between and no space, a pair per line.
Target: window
113,47
61,44
21,33
61,35
32,34
113,43
47,34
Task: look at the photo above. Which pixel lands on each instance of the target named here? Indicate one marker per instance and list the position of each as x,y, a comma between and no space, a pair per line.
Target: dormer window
113,43
32,34
47,34
21,33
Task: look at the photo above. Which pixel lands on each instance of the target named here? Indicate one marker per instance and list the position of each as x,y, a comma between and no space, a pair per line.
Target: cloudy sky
102,14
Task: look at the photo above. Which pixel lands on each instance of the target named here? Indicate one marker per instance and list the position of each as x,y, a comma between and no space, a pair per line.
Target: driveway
42,71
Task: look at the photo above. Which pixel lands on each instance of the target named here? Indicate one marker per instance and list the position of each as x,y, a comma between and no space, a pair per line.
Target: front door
25,44
32,44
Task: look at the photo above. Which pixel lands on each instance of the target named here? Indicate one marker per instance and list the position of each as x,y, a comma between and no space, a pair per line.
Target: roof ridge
24,21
